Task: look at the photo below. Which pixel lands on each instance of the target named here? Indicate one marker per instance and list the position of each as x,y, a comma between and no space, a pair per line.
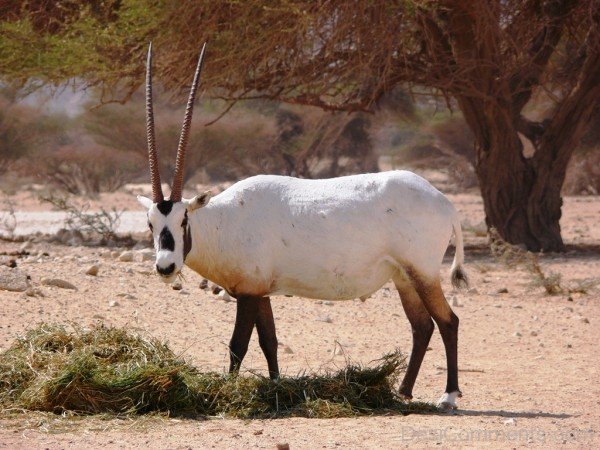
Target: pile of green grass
111,370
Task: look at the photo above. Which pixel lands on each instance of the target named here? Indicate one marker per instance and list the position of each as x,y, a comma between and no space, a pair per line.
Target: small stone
115,254
533,333
511,421
140,245
287,349
126,256
224,295
328,303
325,319
113,303
473,291
93,270
183,292
284,446
567,309
145,254
14,280
176,286
204,284
584,320
569,298
215,289
502,291
57,282
569,346
69,237
517,334
34,292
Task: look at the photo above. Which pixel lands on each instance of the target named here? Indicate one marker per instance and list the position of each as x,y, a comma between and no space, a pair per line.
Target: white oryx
335,239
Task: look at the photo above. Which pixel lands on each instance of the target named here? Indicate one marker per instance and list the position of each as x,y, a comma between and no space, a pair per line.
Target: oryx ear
199,201
145,201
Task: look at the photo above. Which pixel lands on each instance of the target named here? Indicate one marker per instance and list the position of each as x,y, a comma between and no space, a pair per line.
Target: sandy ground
528,362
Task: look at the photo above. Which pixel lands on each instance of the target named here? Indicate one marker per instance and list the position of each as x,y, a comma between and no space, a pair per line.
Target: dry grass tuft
110,370
513,256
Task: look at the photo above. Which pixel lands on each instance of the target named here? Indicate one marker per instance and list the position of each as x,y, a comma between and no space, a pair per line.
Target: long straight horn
157,194
185,133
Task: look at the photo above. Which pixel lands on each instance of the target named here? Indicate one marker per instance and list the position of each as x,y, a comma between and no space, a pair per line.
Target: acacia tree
489,56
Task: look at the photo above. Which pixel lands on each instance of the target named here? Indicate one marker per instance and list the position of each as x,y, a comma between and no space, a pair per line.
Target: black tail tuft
459,278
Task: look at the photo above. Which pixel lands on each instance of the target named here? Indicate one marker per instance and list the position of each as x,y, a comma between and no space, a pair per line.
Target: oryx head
168,219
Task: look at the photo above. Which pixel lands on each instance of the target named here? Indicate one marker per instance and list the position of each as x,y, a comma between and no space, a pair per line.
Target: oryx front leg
245,318
254,311
267,338
447,322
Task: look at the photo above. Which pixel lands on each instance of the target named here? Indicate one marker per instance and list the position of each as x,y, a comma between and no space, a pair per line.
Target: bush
23,129
88,224
90,169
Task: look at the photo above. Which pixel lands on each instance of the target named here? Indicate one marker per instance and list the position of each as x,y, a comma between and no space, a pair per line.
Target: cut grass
111,370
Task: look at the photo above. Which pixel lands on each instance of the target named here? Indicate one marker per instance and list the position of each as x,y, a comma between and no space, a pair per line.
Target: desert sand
528,361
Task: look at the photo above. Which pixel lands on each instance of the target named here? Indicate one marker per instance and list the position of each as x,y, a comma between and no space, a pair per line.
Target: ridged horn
185,133
157,194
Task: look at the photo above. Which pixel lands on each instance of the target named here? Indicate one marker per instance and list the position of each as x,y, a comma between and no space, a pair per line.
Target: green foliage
112,370
102,49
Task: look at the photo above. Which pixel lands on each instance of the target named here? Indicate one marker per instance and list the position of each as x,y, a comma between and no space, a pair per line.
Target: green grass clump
112,370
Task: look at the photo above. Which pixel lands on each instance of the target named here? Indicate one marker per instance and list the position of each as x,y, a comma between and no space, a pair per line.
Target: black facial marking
165,207
187,241
185,220
166,241
167,270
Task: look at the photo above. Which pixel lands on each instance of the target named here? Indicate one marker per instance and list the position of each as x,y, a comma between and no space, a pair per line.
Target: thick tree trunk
520,190
521,196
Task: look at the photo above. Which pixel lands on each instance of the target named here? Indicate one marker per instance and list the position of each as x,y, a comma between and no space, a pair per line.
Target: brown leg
247,311
265,325
422,329
447,322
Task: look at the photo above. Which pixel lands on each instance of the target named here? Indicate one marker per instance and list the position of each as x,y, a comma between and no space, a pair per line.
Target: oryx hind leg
430,291
422,329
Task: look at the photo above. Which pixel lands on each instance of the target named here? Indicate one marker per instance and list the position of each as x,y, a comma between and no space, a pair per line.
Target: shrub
90,169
